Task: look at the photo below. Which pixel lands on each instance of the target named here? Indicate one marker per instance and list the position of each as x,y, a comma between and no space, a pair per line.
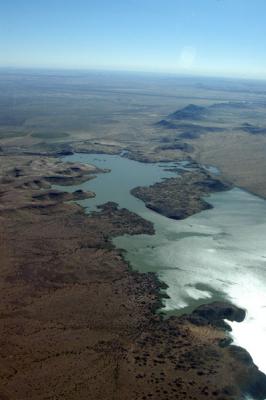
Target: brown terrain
180,197
241,159
77,323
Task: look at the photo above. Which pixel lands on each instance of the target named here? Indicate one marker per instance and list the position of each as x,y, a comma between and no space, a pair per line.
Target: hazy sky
211,37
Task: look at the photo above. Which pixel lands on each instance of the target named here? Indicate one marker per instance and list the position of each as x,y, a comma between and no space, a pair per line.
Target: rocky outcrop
180,197
175,145
132,223
215,313
253,129
52,196
26,181
255,385
219,310
190,112
166,124
77,322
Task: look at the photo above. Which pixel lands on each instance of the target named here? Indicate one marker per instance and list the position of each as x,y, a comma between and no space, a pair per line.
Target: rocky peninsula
182,196
78,323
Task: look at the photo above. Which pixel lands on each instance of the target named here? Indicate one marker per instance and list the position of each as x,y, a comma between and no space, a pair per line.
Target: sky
194,37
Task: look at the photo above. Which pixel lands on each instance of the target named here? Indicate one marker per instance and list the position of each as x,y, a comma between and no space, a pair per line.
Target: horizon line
131,71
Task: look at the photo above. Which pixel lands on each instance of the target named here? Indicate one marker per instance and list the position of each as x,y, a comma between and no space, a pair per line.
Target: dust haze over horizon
209,38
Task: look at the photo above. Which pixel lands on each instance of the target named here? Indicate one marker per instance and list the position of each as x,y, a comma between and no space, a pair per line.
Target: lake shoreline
73,265
220,186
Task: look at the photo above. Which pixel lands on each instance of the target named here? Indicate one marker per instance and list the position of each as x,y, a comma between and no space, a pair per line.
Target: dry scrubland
110,112
76,322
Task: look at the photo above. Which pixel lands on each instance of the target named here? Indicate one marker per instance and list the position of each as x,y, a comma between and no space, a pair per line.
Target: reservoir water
218,254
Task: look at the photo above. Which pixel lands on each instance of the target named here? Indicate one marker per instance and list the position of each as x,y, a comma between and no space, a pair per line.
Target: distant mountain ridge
189,119
191,112
253,130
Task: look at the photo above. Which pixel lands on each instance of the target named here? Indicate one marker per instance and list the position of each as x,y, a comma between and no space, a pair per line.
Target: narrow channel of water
218,254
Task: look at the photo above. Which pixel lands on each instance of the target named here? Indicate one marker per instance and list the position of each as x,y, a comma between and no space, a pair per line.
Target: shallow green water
216,254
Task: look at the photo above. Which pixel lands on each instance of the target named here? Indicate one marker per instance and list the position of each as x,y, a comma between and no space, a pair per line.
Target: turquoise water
216,254
115,186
